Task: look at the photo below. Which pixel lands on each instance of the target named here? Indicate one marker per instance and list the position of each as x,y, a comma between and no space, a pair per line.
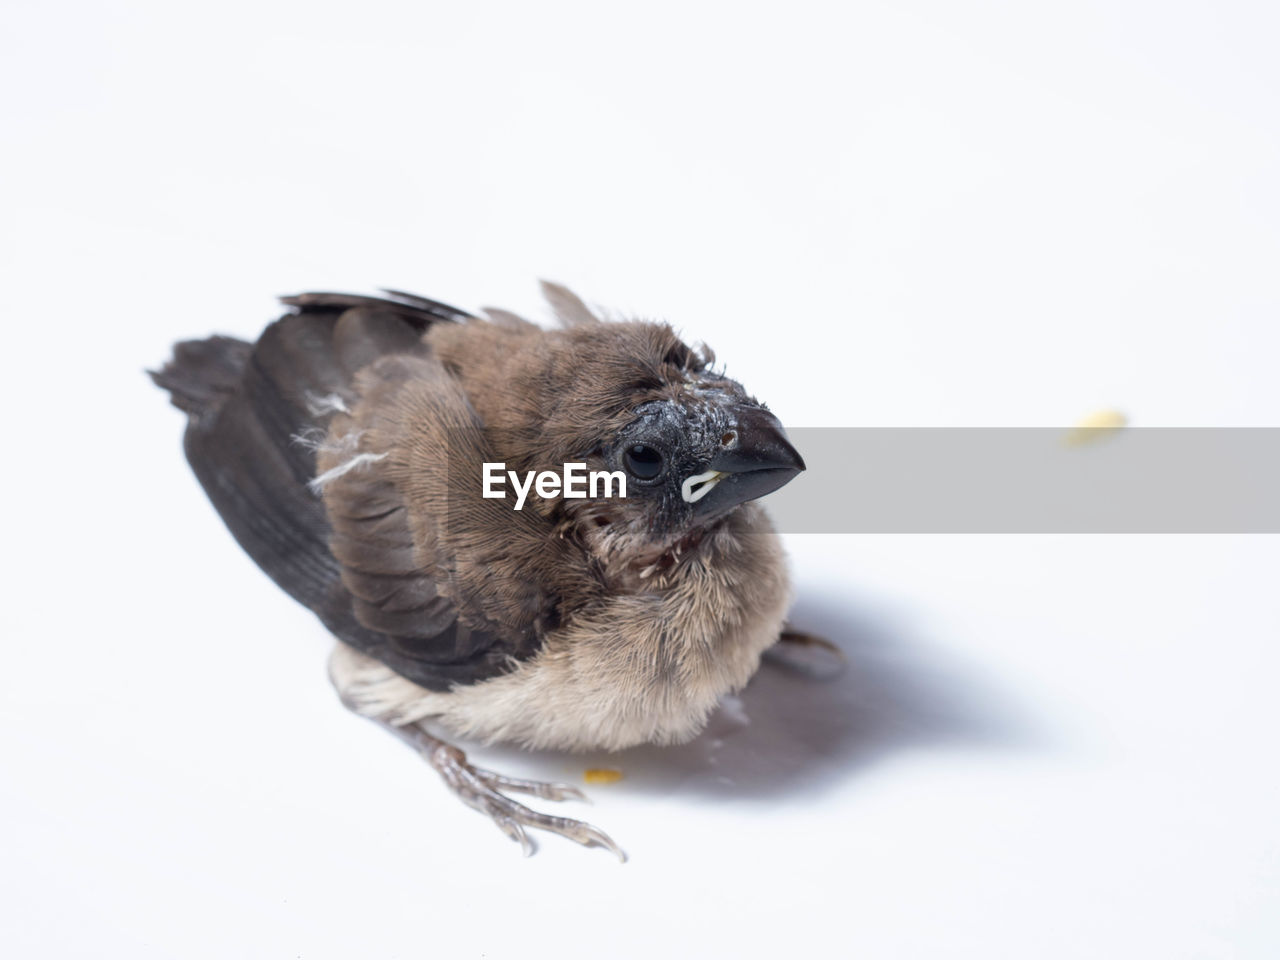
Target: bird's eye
642,461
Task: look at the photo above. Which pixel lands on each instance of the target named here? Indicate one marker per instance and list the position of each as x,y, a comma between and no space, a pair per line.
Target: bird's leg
479,789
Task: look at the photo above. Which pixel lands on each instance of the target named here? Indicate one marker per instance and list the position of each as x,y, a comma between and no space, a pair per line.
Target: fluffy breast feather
646,667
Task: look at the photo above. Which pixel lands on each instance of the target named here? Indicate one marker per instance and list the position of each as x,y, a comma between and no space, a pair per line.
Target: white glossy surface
979,214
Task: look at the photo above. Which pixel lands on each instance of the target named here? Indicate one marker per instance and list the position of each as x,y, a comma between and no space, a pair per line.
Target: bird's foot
480,789
801,638
806,654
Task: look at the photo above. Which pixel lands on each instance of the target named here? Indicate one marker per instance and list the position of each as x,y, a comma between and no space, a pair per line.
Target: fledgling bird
345,451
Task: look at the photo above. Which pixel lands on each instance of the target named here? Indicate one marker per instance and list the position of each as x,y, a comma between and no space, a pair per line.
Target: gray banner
1014,480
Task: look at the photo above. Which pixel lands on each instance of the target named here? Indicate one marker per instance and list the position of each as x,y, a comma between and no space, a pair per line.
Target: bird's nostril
728,439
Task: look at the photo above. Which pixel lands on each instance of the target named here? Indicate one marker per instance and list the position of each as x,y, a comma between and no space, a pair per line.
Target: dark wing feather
417,311
256,415
411,510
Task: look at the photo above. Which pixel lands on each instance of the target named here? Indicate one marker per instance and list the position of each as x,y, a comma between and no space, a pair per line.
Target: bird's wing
256,420
449,575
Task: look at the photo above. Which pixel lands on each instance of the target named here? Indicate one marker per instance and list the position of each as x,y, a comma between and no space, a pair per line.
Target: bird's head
627,396
696,452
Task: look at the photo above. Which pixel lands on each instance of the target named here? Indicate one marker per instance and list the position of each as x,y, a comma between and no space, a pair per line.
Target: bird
344,450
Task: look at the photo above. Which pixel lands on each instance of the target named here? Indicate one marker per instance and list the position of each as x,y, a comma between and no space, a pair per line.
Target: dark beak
756,461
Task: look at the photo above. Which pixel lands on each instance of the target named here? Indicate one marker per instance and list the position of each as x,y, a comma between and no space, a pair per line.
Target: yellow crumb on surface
601,775
1096,426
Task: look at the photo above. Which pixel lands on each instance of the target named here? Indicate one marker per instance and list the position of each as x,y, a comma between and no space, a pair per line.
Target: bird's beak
755,459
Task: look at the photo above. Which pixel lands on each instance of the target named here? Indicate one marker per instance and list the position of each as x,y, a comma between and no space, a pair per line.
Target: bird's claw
479,789
539,788
516,832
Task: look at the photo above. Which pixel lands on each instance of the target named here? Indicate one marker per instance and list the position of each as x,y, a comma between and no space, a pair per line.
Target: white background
877,213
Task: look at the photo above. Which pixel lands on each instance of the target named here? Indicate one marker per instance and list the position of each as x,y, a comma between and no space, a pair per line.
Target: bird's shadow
807,722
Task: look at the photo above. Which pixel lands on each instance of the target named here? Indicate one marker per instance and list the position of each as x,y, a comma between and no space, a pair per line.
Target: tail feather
252,409
203,372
